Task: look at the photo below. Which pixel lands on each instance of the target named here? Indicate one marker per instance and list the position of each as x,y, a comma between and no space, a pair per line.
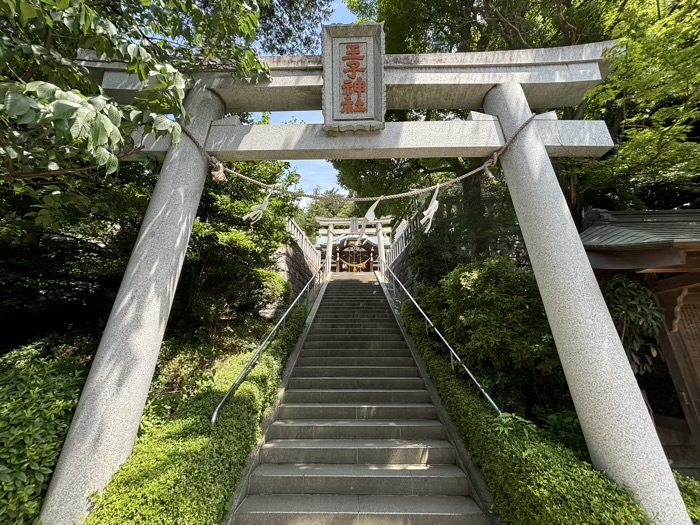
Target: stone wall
400,268
294,266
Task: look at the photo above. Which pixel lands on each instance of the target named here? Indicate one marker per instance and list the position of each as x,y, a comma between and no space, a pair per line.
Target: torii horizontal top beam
551,78
347,222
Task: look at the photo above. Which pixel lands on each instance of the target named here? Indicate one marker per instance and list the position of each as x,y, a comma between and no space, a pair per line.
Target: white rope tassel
429,213
489,174
256,212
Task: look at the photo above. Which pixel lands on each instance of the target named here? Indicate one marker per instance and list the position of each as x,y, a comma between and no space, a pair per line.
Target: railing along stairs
309,294
305,245
399,295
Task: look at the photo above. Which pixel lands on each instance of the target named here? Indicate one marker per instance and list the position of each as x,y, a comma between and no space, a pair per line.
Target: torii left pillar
106,420
329,250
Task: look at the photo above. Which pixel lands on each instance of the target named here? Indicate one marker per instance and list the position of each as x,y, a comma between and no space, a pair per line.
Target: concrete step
356,317
403,382
344,298
355,289
342,324
355,371
356,410
288,509
353,395
357,429
355,361
374,293
367,294
340,307
357,352
354,336
351,343
355,328
418,480
360,313
358,451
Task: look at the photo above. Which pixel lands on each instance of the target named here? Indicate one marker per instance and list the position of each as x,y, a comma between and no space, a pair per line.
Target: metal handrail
254,359
453,353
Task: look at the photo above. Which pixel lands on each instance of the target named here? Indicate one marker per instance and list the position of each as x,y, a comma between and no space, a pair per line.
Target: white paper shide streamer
429,213
256,212
369,217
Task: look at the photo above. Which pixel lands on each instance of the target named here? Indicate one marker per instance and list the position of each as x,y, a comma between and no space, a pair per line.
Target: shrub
183,470
637,318
690,490
491,310
534,481
37,397
270,288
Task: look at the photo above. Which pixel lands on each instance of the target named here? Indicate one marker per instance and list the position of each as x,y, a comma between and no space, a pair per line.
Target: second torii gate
355,83
351,226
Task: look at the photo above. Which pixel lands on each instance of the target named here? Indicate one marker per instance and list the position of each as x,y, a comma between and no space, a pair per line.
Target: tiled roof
640,229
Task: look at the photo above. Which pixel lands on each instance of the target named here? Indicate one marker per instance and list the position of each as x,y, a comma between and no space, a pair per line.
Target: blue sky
315,172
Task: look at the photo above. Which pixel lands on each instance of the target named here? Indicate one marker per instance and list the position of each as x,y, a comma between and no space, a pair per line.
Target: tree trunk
474,214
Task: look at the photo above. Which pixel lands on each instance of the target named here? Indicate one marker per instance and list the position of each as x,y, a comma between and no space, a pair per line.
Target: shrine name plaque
353,77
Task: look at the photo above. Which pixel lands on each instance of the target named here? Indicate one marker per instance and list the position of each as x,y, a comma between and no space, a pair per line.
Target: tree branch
15,175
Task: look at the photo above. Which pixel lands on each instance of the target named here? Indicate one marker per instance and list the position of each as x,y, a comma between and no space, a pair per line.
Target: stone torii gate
355,83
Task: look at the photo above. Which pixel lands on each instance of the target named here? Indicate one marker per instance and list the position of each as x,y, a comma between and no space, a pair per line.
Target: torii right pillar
619,432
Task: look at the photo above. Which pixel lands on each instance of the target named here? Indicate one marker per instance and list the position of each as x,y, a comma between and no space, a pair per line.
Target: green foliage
416,26
534,481
69,266
651,102
38,393
493,313
182,469
291,27
54,116
306,219
690,490
226,271
273,288
637,318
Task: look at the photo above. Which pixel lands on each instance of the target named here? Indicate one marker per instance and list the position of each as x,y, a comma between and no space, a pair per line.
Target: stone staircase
357,440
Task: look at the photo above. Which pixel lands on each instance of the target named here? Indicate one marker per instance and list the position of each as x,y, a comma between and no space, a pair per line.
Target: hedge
38,393
39,388
183,470
534,480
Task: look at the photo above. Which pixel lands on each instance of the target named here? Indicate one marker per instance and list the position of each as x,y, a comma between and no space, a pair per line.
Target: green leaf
64,109
29,118
112,164
101,129
115,116
162,123
53,166
43,89
102,156
83,121
176,133
16,104
27,11
98,103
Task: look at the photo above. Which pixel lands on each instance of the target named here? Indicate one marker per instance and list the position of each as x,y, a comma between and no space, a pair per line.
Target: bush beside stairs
356,438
